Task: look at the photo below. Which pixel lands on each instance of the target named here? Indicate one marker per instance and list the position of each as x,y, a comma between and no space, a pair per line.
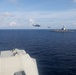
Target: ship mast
63,28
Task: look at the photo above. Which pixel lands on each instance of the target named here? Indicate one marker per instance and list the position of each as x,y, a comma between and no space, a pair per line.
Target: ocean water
55,52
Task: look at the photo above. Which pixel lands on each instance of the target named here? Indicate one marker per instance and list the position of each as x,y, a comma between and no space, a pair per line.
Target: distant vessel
17,62
62,30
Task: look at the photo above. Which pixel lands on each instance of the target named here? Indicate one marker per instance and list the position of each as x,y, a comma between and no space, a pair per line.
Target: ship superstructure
63,28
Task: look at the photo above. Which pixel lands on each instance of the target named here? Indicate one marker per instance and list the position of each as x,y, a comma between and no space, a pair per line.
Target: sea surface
55,52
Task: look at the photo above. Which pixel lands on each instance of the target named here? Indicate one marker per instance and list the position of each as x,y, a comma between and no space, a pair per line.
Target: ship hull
62,31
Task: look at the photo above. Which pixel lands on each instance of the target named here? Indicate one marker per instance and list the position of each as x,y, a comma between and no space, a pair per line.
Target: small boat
17,62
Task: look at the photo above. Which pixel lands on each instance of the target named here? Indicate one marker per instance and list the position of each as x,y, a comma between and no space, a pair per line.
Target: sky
21,14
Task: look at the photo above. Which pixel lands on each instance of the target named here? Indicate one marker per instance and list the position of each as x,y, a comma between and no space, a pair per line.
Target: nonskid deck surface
9,53
17,62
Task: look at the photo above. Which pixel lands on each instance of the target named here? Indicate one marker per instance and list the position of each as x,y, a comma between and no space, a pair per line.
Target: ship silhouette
63,29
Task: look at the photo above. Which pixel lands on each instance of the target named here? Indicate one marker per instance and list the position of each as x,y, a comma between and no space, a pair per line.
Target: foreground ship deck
17,62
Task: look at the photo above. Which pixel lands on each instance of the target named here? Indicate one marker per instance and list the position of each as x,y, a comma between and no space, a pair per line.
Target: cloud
31,21
46,14
13,1
74,23
31,16
74,1
6,14
13,24
26,19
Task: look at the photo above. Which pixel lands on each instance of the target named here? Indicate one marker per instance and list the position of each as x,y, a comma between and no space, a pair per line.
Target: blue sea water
55,52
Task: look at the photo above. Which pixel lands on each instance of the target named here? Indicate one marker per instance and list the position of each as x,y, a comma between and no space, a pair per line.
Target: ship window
20,73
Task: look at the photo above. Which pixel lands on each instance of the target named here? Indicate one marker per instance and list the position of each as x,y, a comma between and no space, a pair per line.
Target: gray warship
63,29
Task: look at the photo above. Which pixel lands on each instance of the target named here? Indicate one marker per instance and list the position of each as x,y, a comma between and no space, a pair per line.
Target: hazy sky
21,14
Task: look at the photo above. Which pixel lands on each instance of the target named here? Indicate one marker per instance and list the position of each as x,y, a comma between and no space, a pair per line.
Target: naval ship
17,62
63,29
